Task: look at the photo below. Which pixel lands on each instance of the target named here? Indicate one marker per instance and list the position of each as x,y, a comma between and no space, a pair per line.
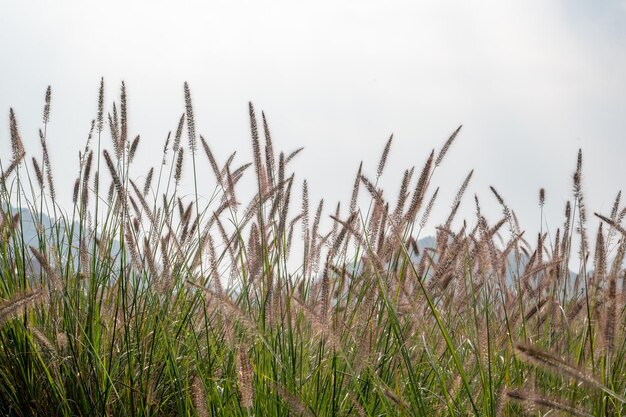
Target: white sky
531,81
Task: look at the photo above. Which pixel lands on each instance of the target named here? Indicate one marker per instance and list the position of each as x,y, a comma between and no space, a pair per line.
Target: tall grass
144,301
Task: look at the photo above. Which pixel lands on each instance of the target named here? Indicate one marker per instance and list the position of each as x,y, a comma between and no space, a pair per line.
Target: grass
145,301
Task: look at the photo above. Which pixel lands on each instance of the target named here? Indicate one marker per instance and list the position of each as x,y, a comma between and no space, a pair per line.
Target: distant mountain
37,229
48,228
511,272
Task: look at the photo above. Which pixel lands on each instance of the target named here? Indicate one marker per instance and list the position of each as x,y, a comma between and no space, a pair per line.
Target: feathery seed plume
245,375
383,158
47,167
38,173
100,117
75,193
46,107
17,147
212,161
179,166
10,308
293,402
123,138
116,179
292,155
403,195
133,148
191,124
446,146
355,190
555,364
146,187
420,188
179,133
256,146
429,208
530,399
199,397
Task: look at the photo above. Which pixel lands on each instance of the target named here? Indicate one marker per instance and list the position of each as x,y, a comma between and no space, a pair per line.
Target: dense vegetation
142,300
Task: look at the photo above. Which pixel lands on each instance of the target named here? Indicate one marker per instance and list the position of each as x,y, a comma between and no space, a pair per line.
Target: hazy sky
531,81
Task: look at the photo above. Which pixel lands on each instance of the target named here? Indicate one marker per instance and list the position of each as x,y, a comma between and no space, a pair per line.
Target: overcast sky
531,81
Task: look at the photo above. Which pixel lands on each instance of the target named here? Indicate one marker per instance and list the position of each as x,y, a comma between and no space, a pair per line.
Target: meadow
142,300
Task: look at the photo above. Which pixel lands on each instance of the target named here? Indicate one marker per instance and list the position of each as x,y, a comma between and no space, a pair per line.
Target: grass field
141,300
